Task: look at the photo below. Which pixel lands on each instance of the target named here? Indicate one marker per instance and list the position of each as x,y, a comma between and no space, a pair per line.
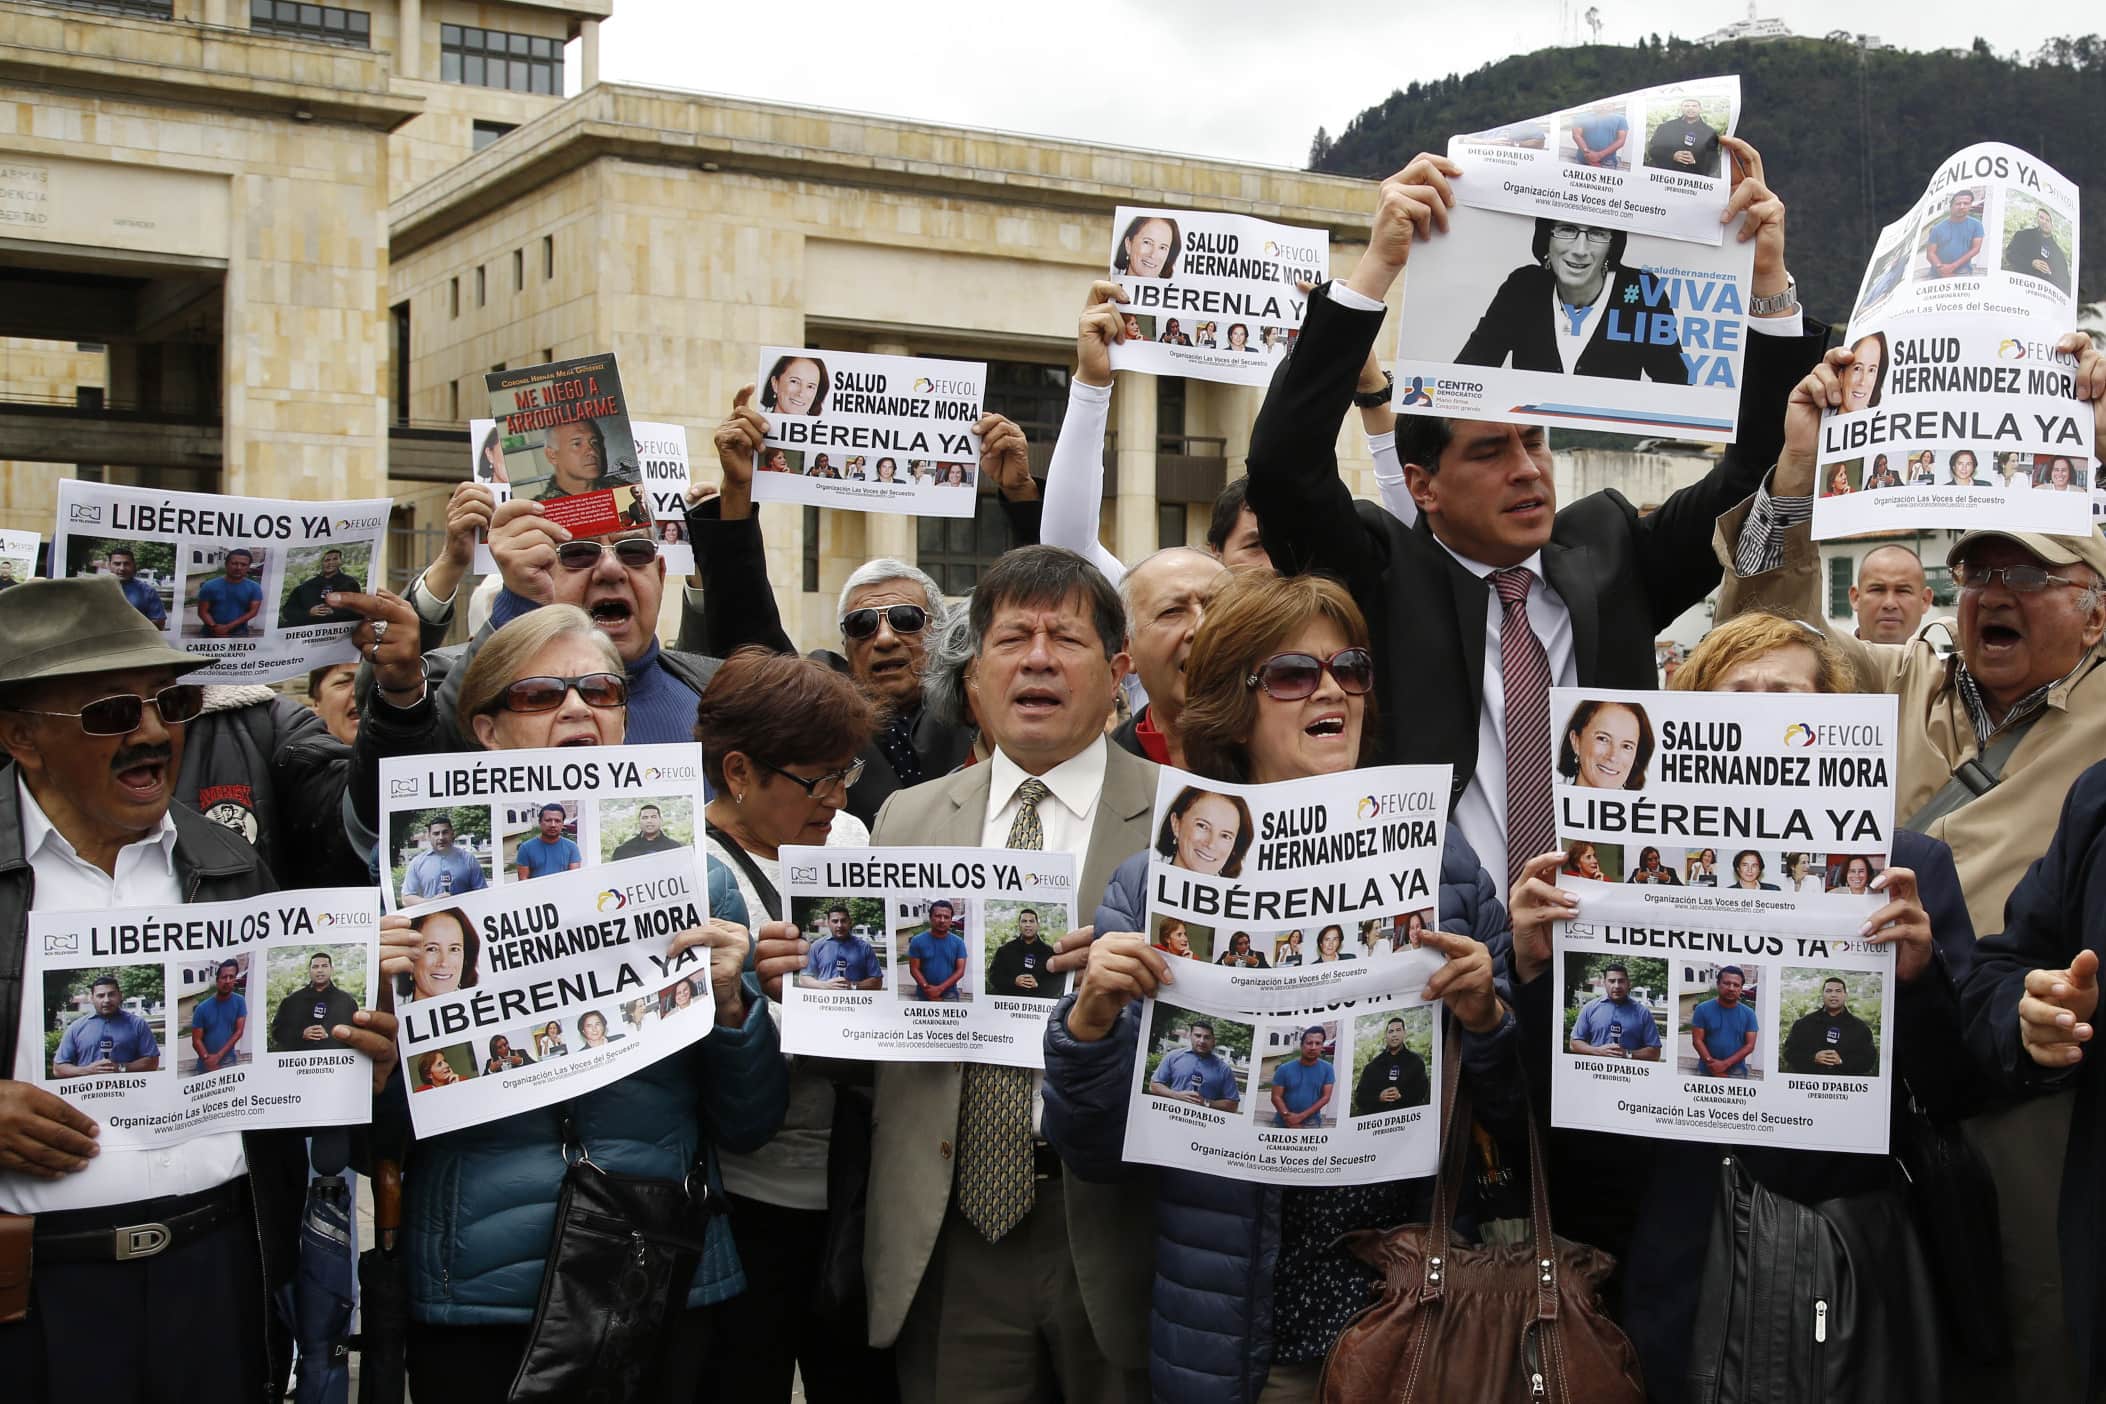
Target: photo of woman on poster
442,954
1607,746
888,470
1238,337
1576,310
1747,872
1330,945
1583,860
1148,248
1205,832
2060,475
1701,868
1866,375
1963,468
1173,335
1882,474
1838,481
1239,953
491,457
1651,870
796,385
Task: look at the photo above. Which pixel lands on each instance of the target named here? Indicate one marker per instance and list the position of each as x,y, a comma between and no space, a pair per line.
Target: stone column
1133,512
885,533
409,39
588,54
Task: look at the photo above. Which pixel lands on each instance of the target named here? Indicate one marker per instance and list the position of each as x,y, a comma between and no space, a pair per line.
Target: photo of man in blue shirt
217,1023
936,957
1302,1087
1723,1028
548,851
1955,239
1600,135
227,602
841,960
110,1040
1196,1073
441,870
1615,1025
144,597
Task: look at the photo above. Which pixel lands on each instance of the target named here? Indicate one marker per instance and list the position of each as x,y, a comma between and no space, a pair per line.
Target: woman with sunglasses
1249,1279
480,1204
1659,1226
783,739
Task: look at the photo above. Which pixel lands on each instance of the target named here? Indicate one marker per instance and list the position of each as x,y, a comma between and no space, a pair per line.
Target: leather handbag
1803,1303
1461,1323
619,1265
1953,1198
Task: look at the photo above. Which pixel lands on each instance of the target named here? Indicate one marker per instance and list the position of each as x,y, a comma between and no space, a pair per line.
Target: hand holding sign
2091,376
738,440
523,542
2054,1014
1902,923
1464,983
1819,391
1533,905
778,951
727,943
1765,223
1415,202
372,1033
1103,325
1072,952
42,1136
1122,967
389,640
1006,458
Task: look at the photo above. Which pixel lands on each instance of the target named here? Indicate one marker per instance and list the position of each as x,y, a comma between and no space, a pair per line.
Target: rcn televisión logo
397,789
804,875
91,513
68,944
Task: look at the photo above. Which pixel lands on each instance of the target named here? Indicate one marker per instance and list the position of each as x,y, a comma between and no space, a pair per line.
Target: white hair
884,568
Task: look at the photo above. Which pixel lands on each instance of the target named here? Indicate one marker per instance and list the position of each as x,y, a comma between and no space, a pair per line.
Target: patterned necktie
897,740
1525,670
995,1182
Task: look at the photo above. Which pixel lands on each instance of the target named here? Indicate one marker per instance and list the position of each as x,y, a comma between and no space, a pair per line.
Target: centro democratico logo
1798,734
612,900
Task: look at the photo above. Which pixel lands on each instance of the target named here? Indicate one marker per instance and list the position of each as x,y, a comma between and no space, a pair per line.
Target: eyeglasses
121,715
1570,233
1289,677
2024,579
904,619
635,552
822,787
547,694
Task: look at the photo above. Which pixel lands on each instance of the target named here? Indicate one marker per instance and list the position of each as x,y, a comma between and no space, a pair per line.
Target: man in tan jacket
1991,738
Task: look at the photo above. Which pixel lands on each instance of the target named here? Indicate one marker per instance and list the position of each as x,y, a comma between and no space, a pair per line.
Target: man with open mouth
180,1242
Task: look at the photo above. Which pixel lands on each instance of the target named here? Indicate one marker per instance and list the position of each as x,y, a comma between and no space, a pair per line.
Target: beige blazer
1997,836
1111,1228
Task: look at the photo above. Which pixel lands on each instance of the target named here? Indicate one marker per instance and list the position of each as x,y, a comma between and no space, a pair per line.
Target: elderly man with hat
1991,739
139,1254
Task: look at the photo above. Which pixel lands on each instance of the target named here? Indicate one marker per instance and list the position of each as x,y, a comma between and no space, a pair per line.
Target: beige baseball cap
2088,549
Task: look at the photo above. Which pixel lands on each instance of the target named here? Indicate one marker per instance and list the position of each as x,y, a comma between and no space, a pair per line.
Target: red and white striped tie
1524,667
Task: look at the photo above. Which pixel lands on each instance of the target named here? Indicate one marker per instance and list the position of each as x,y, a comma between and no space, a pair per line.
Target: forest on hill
1849,135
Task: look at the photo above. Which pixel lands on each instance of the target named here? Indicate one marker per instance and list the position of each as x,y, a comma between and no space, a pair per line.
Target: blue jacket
479,1205
1210,1325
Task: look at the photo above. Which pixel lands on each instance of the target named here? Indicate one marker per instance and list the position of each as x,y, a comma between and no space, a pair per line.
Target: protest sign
523,996
1342,1094
1733,1036
926,954
661,451
1300,893
1539,320
239,580
1211,296
457,823
1732,810
564,440
1647,162
1958,411
164,1025
869,433
18,557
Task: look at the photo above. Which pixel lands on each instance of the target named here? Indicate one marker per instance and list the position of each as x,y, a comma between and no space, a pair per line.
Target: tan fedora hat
55,628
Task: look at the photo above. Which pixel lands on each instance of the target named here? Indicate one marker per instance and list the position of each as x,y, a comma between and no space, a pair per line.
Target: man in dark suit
1593,584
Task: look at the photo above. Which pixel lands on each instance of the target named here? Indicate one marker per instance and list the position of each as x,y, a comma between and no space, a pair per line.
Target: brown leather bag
1457,1323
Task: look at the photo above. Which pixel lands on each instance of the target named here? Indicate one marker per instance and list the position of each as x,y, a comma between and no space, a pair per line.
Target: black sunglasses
634,552
547,694
121,715
820,787
1289,677
904,619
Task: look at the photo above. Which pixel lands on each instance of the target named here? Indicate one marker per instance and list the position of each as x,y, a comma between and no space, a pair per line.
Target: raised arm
738,607
1075,477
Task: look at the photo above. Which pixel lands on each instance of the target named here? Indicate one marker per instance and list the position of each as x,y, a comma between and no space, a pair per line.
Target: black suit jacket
1623,576
1521,324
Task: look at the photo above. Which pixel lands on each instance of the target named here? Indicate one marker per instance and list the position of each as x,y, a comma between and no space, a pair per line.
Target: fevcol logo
663,889
360,523
1849,736
1048,880
669,772
1304,253
2010,349
345,919
925,385
1798,734
1394,803
612,900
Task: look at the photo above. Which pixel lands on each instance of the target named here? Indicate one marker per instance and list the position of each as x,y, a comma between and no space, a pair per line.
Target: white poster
1729,1036
1743,811
18,557
1958,411
869,433
1648,162
216,1016
1345,1094
1301,893
926,954
661,451
241,580
1211,296
1541,319
455,824
523,996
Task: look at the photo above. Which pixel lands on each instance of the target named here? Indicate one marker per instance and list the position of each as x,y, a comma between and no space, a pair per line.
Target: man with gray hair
1166,597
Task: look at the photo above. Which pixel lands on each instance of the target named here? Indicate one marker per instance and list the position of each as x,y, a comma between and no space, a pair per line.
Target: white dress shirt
145,877
1067,815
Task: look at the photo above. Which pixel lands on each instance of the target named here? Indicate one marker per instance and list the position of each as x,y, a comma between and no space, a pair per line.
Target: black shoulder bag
619,1266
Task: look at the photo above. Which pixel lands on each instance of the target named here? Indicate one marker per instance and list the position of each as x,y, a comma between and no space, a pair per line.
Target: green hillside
1849,136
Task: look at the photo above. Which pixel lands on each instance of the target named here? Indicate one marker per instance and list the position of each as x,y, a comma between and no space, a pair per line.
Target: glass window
811,549
136,9
1842,574
327,24
955,550
487,132
1169,525
493,58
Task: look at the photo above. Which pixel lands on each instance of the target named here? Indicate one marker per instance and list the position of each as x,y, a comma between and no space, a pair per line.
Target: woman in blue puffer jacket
480,1203
1250,1286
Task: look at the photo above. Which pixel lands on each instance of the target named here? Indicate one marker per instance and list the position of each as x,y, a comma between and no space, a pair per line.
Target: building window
518,269
955,550
137,9
325,24
401,380
1169,407
486,132
453,401
811,549
1169,525
548,256
491,58
1842,574
453,296
496,369
482,285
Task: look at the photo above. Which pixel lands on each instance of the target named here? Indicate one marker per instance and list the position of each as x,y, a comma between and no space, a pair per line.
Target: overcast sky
1249,80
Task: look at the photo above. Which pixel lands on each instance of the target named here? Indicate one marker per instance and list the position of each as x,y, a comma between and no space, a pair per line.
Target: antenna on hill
1594,21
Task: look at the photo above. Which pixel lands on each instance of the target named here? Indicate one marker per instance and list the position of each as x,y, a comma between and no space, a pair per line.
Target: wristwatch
1786,301
1376,399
